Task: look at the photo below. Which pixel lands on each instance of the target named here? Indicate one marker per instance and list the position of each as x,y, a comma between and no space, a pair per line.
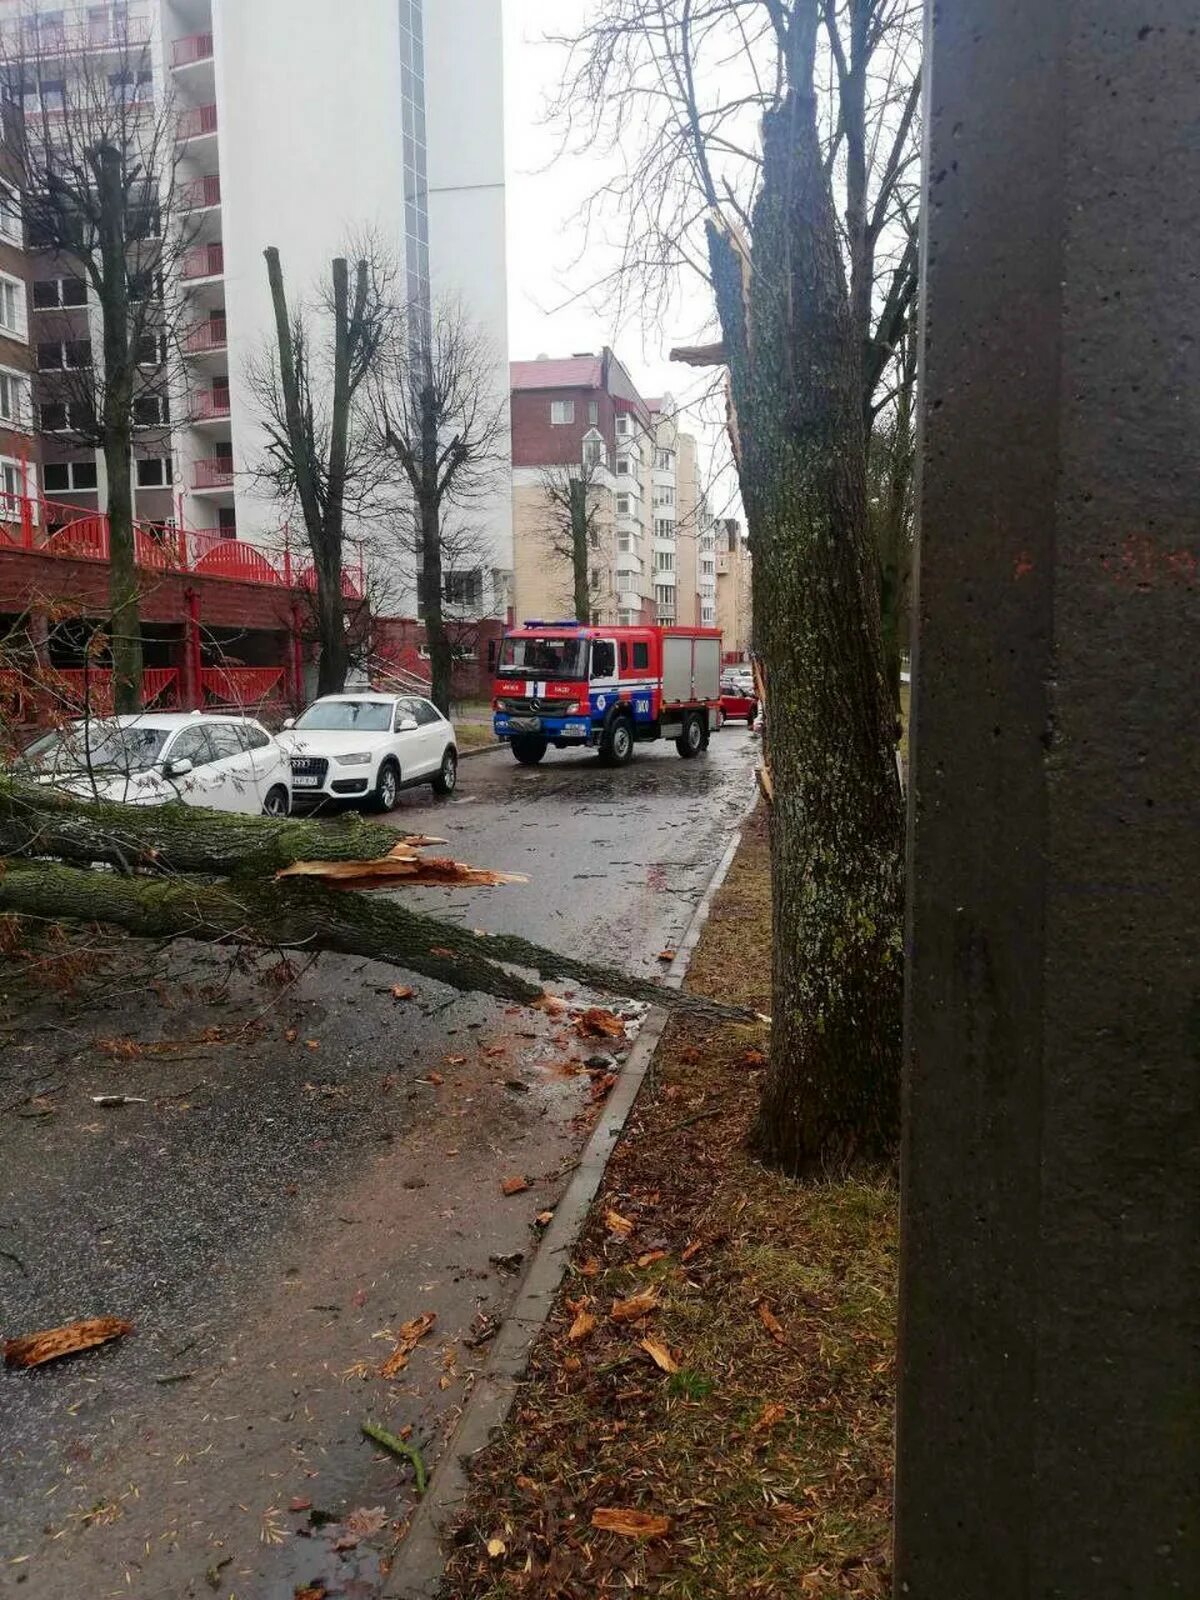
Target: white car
226,763
368,747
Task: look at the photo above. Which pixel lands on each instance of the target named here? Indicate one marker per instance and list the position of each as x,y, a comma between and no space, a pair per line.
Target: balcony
209,405
214,472
200,195
203,261
207,336
197,122
188,51
101,31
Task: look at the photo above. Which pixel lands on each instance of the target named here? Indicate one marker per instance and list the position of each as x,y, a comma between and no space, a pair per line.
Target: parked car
739,696
226,763
368,747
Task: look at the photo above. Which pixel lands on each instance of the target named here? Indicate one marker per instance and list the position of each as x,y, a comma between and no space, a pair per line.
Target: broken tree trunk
305,915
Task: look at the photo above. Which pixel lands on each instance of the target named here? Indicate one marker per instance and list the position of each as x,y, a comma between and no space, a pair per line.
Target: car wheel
387,788
447,774
529,748
278,802
691,741
751,715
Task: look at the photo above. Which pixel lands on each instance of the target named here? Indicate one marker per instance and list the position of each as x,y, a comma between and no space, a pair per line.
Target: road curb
419,1565
479,750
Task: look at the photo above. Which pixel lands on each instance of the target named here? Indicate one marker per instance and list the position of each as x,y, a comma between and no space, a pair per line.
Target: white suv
368,747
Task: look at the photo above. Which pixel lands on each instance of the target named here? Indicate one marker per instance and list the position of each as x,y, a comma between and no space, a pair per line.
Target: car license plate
305,780
526,724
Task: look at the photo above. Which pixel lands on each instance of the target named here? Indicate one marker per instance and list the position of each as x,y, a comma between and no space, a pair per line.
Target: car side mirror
178,768
407,725
289,722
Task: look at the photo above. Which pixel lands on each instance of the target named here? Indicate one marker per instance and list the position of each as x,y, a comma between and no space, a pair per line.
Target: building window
664,495
664,460
60,477
562,412
14,395
52,293
664,561
664,528
593,450
623,506
623,465
12,307
593,413
624,427
624,543
152,350
151,411
463,588
63,416
154,472
11,226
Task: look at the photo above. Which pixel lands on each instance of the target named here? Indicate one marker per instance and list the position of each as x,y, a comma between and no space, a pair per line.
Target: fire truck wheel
528,748
691,741
616,747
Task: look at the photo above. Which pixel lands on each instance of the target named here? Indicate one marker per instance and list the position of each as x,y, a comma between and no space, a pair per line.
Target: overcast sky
545,276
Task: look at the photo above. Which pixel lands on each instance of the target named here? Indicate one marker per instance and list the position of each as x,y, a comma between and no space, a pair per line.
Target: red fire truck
563,684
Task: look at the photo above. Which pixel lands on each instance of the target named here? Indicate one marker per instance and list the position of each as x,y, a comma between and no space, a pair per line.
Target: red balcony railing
209,405
195,122
214,472
203,261
241,686
195,47
201,193
210,335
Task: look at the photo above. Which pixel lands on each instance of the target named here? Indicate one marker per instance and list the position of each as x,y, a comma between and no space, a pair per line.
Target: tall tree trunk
437,640
579,550
895,541
118,436
831,1095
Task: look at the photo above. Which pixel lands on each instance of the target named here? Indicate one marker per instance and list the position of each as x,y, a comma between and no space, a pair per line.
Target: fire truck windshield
545,658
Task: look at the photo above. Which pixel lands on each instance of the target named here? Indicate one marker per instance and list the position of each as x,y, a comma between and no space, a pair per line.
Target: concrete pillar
1049,1426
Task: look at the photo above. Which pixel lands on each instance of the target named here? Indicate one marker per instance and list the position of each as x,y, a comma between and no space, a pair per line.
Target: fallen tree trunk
296,914
174,838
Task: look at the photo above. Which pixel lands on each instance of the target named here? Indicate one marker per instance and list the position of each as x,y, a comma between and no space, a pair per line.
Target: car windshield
348,716
97,746
545,658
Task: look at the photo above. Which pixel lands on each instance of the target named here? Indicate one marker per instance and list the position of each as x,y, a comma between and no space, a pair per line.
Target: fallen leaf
754,1058
602,1086
33,1349
596,1023
435,1078
401,991
667,956
525,1483
119,1049
638,1305
299,1504
690,1056
453,1061
366,1521
590,1268
291,1035
544,1219
769,1416
616,1223
313,1044
581,1327
496,1050
496,1548
572,1364
690,1250
513,1185
659,1354
407,1339
651,1257
770,1322
313,1592
634,1524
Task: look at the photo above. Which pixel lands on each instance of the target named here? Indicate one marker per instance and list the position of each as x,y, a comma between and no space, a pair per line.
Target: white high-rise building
303,124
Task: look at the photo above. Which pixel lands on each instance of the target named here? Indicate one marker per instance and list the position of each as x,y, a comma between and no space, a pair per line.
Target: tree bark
831,1096
437,640
308,916
580,552
126,641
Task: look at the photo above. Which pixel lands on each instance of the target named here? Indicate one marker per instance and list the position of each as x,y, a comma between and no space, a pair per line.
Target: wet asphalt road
298,1183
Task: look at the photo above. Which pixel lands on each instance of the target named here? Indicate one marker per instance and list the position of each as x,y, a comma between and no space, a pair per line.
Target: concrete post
1049,1426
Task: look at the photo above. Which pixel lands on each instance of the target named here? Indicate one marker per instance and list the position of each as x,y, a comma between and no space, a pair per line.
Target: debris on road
633,1524
597,1023
513,1185
119,1100
398,1447
34,1349
410,1335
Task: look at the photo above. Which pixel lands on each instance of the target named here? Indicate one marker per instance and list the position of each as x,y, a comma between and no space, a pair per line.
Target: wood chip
633,1524
596,1023
513,1185
409,1336
638,1305
34,1349
770,1322
690,1250
659,1354
581,1327
616,1223
769,1416
651,1257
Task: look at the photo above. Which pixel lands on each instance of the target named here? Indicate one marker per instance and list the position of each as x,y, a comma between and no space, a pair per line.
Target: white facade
303,124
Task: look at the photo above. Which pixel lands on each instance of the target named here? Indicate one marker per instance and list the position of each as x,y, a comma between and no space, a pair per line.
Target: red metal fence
195,122
203,261
195,47
200,193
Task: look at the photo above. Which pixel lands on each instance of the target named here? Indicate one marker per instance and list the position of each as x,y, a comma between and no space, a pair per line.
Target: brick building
733,578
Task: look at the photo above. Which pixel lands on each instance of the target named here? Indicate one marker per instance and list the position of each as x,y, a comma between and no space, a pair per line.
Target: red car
738,698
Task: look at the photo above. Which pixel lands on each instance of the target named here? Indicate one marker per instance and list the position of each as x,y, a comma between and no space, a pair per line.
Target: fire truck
566,684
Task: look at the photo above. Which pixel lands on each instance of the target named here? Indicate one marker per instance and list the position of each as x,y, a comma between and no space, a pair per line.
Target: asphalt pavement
310,1162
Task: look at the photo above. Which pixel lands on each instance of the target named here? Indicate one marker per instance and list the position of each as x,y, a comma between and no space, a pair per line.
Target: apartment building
647,506
733,593
300,124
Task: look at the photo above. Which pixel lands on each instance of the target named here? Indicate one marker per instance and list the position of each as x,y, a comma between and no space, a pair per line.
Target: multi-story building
733,595
299,124
643,481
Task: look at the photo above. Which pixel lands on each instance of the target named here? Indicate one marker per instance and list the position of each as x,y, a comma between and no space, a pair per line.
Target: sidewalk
709,1410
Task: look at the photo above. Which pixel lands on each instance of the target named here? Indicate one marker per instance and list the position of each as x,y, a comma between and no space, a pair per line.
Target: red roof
572,372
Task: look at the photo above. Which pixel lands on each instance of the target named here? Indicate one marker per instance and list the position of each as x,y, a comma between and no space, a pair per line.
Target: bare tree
891,504
321,451
774,152
94,149
444,427
572,531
